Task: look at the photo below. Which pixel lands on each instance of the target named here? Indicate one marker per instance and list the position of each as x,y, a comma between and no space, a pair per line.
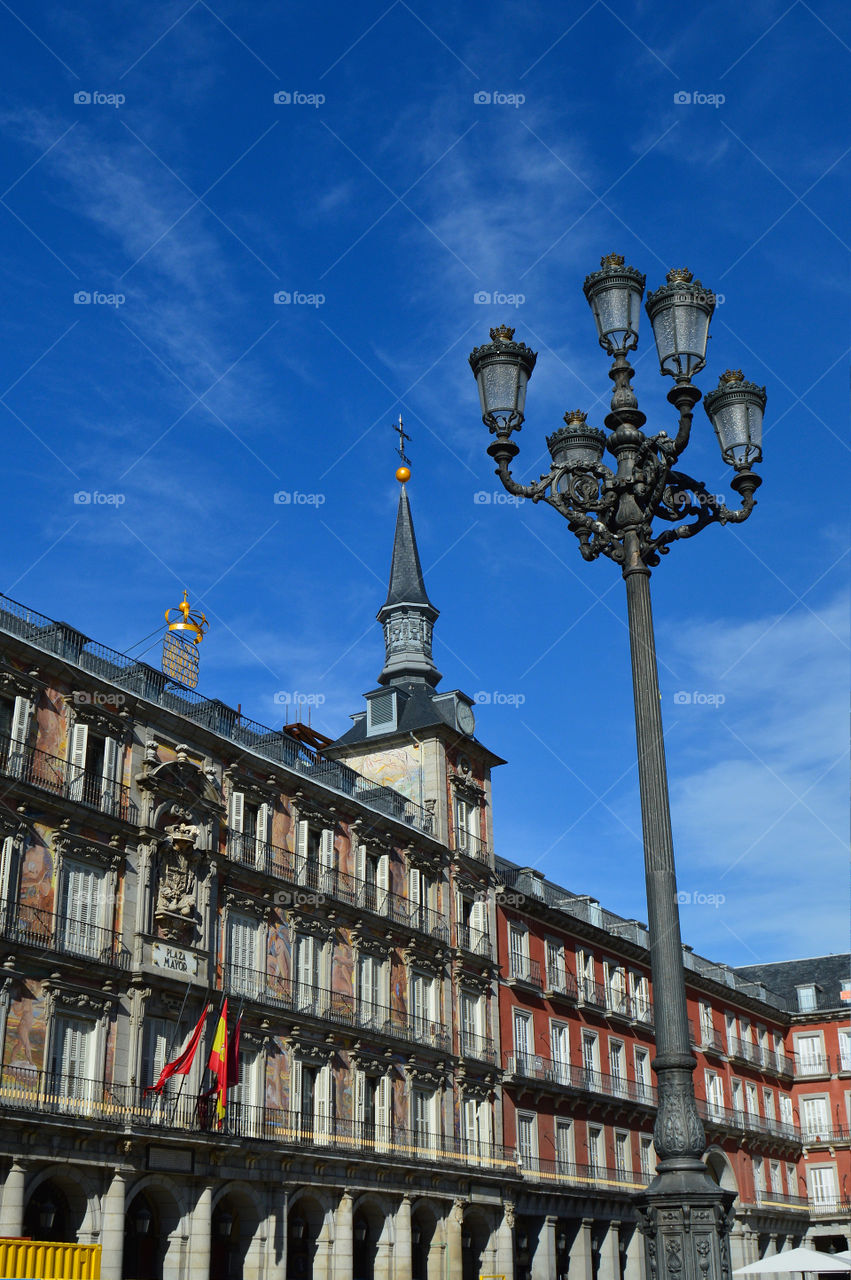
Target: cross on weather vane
403,436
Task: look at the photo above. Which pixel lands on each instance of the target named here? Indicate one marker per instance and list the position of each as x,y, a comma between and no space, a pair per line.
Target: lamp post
632,514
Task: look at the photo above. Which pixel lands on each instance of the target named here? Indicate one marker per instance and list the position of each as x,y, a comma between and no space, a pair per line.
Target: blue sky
147,162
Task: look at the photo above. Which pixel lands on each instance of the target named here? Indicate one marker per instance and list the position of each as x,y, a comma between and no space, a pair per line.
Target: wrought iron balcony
470,846
560,983
715,1116
567,1075
30,1092
580,1177
816,1064
524,972
482,1048
711,1042
340,1007
147,682
478,941
36,768
52,931
825,1134
591,993
843,1063
830,1207
780,1200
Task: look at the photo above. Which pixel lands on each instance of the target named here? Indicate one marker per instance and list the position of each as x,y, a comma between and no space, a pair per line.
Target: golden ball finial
403,474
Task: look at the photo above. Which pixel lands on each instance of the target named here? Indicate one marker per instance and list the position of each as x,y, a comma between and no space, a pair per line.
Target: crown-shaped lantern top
679,275
502,333
732,375
185,619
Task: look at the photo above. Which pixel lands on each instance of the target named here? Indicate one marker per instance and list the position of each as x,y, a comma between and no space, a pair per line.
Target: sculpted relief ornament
175,912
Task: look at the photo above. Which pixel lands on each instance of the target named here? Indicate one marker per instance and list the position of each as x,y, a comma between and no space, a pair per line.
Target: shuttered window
243,933
72,1064
80,916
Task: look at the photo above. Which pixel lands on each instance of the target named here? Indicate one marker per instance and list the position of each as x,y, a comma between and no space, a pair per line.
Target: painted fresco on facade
26,1027
37,887
342,969
278,1076
399,768
278,959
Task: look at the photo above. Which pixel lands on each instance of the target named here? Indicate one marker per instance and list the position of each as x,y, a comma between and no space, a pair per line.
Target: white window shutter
382,880
360,1099
302,836
79,745
471,1130
415,886
20,720
109,776
295,1091
325,1103
264,834
326,848
360,862
478,916
236,818
7,890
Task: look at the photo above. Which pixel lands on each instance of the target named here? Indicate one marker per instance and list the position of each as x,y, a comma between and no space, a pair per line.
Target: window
810,1054
466,825
243,936
372,1110
590,1058
71,1061
370,989
556,968
471,1011
806,998
822,1184
312,1097
476,1118
845,1050
622,1153
422,1012
616,988
738,1098
730,1026
420,892
423,1118
159,1046
786,1111
768,1104
752,1095
564,1145
315,856
307,954
596,1150
249,830
707,1024
776,1177
642,1073
523,1042
617,1068
815,1119
473,923
527,1137
243,1118
14,730
715,1093
560,1041
758,1175
746,1041
80,913
646,1156
93,772
586,975
641,997
518,952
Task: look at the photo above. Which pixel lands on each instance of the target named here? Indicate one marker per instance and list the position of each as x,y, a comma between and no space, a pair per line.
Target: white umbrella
795,1260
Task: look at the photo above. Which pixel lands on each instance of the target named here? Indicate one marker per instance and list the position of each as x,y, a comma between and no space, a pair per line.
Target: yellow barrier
45,1260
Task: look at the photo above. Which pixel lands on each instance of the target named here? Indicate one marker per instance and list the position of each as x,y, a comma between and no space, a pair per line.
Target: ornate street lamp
633,514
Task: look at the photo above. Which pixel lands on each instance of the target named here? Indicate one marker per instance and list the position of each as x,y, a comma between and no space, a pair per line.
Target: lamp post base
685,1219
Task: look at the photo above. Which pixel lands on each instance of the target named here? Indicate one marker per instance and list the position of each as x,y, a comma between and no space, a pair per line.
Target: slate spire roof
407,615
406,575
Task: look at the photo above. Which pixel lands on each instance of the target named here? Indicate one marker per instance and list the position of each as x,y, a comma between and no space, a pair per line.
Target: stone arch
75,1199
374,1234
159,1250
720,1167
310,1234
478,1252
237,1243
428,1239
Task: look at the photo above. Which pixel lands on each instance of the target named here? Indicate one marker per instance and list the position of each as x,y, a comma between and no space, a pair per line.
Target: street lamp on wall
144,1220
224,1225
632,513
46,1215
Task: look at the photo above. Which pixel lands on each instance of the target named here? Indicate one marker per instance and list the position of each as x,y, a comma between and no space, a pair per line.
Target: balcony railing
49,773
567,1075
746,1121
340,1007
711,1042
567,1175
478,941
482,1048
843,1063
816,1064
470,846
328,882
828,1133
559,981
52,931
154,685
524,971
833,1207
591,992
781,1200
30,1091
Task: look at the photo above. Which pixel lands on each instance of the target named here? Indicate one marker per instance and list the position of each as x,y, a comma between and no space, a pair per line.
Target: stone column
772,1246
454,1236
201,1234
344,1238
112,1228
505,1244
581,1260
544,1257
403,1261
634,1257
12,1210
610,1267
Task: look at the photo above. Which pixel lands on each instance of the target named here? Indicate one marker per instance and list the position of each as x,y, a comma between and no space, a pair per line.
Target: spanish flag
218,1063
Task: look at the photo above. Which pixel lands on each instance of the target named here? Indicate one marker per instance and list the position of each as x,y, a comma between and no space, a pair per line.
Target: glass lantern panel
691,333
499,386
663,332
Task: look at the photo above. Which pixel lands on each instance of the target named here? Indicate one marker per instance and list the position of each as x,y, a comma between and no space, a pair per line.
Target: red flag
233,1056
182,1063
218,1063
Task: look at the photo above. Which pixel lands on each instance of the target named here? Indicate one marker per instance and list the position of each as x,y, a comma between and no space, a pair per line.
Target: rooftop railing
49,773
30,926
147,682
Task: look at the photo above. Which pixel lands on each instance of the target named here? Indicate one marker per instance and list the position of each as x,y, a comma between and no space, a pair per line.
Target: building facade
444,1060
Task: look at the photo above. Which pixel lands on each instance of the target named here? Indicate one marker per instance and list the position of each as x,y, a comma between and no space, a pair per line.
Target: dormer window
807,998
381,712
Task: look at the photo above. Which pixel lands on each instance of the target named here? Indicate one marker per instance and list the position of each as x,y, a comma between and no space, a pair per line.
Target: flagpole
177,1033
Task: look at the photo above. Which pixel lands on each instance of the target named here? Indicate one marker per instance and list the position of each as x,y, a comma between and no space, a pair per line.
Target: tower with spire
407,615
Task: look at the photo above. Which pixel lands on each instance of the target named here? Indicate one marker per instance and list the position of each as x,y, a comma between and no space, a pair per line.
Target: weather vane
403,473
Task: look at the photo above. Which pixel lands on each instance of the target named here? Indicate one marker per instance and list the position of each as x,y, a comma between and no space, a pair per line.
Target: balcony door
80,910
72,1064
